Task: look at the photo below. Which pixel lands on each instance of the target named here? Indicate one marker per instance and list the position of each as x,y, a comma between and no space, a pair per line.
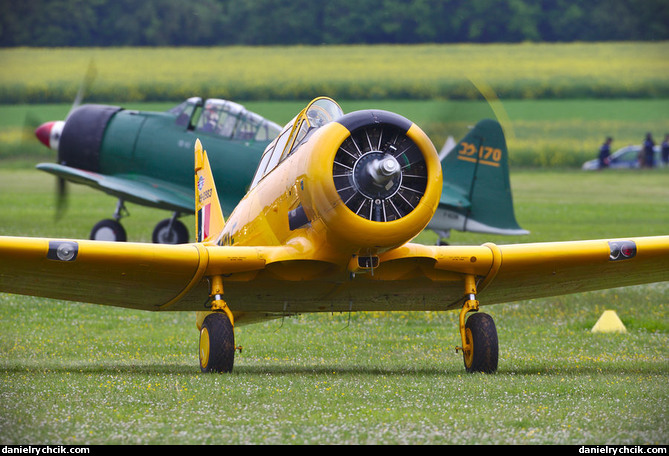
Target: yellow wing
140,276
133,275
537,270
266,282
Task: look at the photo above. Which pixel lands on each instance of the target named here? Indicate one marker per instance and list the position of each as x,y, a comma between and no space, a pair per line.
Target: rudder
209,218
476,182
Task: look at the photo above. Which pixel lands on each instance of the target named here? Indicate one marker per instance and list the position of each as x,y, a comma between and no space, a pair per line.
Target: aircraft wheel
480,331
108,230
177,235
217,344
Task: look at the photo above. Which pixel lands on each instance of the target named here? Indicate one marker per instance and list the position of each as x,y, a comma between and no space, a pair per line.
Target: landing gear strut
443,236
480,347
217,335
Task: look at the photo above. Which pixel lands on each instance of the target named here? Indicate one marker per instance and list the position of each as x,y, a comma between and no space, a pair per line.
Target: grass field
81,374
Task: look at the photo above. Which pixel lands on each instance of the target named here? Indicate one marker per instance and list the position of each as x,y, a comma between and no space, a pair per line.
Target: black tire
177,235
108,230
217,344
481,332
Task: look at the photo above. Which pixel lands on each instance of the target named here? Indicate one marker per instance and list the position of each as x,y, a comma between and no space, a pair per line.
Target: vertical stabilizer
476,194
209,218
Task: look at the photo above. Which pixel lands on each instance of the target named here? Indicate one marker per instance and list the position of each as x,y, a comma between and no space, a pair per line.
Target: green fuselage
150,147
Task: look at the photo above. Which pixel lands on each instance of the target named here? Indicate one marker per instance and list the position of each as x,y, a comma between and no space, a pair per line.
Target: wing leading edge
276,280
530,271
137,189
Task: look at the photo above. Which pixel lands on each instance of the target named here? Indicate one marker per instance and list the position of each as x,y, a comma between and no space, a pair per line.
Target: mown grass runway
82,374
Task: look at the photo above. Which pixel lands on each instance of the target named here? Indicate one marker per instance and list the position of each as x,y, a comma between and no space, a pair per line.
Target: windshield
184,111
317,113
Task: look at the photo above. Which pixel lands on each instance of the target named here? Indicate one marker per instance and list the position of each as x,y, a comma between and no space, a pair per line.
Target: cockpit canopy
224,118
319,112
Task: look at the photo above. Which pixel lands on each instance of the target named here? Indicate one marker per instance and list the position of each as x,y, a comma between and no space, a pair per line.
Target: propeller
49,134
380,173
447,121
31,124
86,83
497,107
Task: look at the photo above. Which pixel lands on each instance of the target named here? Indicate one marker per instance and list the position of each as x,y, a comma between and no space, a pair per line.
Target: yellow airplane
326,226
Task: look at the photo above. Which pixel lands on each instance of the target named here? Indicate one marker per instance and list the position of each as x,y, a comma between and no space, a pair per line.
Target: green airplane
145,158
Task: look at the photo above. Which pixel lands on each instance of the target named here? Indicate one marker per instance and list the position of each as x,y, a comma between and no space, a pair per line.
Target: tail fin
476,194
209,218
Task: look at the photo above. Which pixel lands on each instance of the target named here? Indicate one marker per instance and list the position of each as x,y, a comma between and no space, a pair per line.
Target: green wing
133,188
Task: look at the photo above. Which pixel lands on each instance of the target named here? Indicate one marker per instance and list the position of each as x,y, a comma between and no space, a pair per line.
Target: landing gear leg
217,335
111,230
480,347
170,231
443,236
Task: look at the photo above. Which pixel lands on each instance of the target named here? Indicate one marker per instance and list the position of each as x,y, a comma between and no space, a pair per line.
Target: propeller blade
497,107
89,77
61,198
30,124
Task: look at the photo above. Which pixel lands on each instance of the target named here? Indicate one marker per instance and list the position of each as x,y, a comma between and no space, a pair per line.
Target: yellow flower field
527,70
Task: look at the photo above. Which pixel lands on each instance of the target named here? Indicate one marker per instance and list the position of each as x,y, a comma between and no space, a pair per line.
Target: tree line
52,23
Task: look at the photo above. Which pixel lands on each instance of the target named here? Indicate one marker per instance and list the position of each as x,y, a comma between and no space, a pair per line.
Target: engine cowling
377,184
82,134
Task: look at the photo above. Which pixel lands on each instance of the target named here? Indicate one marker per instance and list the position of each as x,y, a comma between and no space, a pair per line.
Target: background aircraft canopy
184,111
319,112
224,118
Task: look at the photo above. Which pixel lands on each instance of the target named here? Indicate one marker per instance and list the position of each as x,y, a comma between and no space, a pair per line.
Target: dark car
627,157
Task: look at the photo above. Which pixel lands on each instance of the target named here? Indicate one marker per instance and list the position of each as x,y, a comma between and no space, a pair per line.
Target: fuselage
163,152
157,147
299,202
331,228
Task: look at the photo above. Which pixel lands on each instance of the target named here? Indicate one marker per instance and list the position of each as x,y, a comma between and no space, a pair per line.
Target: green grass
75,373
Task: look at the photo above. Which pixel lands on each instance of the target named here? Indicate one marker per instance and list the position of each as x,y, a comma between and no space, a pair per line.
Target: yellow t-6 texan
326,226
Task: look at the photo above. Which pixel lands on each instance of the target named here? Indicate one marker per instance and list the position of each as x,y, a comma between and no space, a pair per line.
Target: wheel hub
204,348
